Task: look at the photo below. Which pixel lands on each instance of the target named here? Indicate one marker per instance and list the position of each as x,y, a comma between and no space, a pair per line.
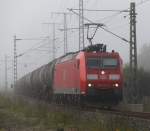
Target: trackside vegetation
19,115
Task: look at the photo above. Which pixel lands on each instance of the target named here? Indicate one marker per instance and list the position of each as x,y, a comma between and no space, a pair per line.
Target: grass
147,107
19,114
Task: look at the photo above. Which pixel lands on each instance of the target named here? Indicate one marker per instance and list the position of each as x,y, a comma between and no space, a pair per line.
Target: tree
144,57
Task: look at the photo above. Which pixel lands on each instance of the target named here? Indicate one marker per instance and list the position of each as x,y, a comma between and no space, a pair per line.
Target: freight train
91,75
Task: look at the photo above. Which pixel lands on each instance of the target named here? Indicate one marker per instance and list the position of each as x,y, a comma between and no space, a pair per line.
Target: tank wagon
38,83
92,75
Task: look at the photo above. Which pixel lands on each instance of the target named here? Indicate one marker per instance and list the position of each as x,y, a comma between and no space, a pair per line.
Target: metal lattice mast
65,34
15,61
65,29
53,46
54,37
6,81
133,53
81,25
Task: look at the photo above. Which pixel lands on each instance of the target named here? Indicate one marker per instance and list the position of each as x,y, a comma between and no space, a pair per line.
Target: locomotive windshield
109,62
102,62
93,62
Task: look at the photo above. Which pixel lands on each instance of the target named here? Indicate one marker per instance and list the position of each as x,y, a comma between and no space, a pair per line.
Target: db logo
103,77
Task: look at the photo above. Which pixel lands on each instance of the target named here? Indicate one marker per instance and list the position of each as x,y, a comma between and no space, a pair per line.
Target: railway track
91,108
142,115
118,112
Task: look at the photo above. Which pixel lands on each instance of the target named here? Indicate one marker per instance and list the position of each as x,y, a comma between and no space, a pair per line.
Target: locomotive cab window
92,63
110,62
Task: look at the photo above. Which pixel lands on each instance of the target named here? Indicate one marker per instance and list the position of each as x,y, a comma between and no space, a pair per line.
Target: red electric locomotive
92,74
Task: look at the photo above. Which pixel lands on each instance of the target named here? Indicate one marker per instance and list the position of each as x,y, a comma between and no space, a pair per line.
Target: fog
144,57
25,18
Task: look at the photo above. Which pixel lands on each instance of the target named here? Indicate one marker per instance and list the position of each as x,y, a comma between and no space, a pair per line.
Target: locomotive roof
114,54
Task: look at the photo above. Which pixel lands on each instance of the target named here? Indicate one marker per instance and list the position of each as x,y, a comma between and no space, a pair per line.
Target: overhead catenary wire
32,48
138,4
109,18
119,26
44,50
102,28
34,39
98,10
142,2
117,12
111,10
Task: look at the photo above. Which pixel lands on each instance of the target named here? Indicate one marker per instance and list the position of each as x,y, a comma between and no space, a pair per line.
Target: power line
119,26
111,10
110,17
97,10
102,28
142,2
115,35
119,11
32,48
138,4
34,39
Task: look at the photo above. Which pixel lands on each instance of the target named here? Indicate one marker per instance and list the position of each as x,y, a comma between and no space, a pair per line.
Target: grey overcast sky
25,17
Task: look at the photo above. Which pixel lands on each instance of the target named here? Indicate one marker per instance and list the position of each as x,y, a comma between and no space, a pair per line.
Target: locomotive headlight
102,72
89,85
116,85
114,77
